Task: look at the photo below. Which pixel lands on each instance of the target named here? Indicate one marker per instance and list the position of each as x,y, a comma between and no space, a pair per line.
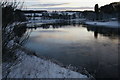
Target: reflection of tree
59,24
97,11
109,32
96,33
45,26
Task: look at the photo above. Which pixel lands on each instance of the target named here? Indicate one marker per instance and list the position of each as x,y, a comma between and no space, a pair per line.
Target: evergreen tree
96,8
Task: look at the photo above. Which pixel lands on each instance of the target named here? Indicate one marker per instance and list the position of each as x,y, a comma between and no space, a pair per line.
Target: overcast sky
65,4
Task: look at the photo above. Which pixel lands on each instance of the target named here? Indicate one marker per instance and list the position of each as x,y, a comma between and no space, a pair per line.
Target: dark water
95,49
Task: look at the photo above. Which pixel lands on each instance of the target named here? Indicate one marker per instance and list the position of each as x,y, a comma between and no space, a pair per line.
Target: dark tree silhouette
112,9
96,8
12,28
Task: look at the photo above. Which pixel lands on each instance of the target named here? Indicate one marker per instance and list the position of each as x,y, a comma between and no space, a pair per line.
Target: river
93,48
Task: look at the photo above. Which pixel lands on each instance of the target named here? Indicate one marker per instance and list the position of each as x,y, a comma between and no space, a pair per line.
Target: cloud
50,4
65,8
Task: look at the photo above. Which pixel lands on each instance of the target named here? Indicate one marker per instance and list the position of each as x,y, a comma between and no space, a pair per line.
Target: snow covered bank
111,24
53,20
29,66
44,21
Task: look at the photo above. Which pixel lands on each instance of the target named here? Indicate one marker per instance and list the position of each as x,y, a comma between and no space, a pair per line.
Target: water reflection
108,32
94,48
96,34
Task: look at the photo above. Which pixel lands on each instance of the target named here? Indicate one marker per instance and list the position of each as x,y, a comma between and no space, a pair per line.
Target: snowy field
30,66
111,24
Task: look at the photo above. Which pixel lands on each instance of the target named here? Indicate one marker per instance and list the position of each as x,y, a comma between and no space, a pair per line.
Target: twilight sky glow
65,4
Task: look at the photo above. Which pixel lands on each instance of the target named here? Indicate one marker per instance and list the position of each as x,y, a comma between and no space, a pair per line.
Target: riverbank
109,24
31,66
46,21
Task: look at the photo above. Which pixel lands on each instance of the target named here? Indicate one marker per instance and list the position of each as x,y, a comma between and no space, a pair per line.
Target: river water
93,48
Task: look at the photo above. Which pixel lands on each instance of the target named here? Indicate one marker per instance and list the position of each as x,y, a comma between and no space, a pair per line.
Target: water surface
95,49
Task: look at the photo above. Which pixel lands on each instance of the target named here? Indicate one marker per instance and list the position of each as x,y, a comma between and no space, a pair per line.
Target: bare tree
13,31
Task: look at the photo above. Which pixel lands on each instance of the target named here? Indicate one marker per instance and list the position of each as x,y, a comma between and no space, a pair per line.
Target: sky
64,4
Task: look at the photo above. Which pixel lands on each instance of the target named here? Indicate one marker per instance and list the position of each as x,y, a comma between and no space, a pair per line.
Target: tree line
110,9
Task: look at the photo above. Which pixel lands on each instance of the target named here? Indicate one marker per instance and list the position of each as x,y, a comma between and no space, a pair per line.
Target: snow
112,24
70,13
10,43
44,21
53,20
29,66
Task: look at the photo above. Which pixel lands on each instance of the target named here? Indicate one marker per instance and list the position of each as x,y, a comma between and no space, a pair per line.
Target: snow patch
34,67
112,24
